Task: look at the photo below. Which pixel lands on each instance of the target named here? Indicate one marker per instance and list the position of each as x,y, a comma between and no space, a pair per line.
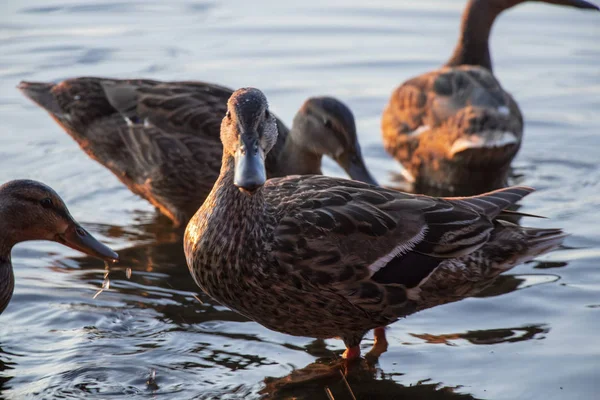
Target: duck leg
351,353
380,345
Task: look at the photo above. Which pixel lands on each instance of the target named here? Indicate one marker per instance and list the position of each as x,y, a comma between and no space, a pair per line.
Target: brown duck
30,210
161,139
456,128
327,257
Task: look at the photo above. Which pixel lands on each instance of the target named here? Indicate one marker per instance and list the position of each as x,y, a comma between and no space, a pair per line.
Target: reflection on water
488,336
156,335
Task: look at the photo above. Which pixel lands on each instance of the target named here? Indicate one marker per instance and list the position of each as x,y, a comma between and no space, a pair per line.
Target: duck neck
227,210
7,279
477,20
296,159
230,226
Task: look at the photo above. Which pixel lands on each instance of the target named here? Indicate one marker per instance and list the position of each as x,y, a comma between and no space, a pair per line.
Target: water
533,335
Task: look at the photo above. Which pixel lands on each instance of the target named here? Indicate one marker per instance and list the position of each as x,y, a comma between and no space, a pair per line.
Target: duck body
327,257
456,128
30,210
161,139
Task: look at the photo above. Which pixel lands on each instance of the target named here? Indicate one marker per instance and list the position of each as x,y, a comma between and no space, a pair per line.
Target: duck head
325,126
248,133
30,210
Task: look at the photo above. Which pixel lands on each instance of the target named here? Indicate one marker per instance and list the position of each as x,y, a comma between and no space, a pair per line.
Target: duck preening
456,128
161,139
30,210
327,257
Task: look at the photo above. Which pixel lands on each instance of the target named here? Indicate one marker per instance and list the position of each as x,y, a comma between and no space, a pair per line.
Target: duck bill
250,173
79,239
574,3
355,167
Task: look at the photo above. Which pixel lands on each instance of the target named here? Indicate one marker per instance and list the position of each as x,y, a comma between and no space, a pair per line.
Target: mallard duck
30,210
329,257
456,127
161,139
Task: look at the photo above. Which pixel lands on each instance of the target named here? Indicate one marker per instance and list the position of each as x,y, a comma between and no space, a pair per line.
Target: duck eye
327,123
46,202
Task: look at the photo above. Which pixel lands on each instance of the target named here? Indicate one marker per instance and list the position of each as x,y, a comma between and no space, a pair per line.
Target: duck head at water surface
30,210
456,128
325,257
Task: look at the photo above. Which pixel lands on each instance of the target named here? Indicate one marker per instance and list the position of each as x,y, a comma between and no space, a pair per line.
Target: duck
31,210
161,139
456,128
326,257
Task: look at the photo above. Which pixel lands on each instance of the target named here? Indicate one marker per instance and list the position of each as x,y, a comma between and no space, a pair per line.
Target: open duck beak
79,239
250,173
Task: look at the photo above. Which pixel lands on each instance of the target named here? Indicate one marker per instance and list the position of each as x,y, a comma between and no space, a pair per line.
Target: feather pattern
342,257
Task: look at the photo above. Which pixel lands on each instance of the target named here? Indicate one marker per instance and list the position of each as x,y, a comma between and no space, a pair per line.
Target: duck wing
349,237
190,108
338,223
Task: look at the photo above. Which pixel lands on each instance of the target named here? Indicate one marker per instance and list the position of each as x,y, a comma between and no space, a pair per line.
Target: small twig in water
328,393
348,386
198,298
106,282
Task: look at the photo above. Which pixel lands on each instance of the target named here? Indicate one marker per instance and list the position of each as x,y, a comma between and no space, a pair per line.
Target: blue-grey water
533,335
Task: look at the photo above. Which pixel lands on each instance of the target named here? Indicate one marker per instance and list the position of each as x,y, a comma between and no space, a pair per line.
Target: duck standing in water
161,139
30,210
456,128
327,257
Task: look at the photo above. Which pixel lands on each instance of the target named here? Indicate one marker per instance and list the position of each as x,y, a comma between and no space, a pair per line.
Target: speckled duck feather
326,257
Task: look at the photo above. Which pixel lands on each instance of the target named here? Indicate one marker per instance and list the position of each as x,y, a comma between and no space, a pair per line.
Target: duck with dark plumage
161,139
329,257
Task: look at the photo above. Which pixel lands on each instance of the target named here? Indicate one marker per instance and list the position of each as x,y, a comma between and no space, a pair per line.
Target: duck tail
520,244
41,94
492,204
541,240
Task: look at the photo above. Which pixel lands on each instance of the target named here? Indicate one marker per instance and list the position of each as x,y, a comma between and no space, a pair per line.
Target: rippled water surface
533,335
